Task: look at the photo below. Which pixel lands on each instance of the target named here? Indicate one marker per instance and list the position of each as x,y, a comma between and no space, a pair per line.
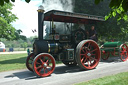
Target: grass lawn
12,61
118,79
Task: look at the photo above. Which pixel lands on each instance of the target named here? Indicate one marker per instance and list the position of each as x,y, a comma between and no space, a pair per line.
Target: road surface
64,75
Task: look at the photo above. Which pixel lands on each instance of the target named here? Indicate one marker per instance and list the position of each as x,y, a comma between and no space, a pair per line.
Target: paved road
64,75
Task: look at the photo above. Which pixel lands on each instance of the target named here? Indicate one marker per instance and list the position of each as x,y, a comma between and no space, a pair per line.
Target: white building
2,47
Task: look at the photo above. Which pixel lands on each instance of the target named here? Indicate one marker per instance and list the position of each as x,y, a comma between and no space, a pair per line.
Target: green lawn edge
117,79
10,62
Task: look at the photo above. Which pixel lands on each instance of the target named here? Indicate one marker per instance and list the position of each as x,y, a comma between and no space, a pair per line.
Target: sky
28,16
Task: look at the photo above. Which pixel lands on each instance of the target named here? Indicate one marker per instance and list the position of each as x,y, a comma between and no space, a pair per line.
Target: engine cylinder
41,46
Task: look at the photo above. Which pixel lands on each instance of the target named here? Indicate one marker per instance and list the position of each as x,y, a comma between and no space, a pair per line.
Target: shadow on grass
12,61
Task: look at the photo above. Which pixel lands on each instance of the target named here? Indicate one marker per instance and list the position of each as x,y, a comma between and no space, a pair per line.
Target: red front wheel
43,65
87,54
123,52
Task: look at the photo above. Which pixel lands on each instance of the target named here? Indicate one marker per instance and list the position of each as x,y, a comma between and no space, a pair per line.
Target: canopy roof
68,17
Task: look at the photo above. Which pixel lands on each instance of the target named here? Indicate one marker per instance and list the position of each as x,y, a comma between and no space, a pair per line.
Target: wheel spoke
94,50
38,67
93,58
40,70
41,61
123,48
47,61
85,60
82,59
124,56
83,50
43,58
38,63
88,64
90,60
86,49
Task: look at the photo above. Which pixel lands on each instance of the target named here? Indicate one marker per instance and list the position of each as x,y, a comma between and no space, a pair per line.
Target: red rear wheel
29,61
87,54
123,52
43,64
105,55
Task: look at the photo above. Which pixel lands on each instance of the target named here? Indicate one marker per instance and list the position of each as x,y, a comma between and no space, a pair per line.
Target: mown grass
14,62
118,79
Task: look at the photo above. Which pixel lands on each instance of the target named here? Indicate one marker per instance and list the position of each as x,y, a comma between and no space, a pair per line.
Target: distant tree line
28,43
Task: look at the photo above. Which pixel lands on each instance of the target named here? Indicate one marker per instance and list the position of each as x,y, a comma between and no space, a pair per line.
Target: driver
93,34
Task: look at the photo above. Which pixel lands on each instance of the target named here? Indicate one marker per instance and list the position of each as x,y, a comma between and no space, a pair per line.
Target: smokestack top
40,8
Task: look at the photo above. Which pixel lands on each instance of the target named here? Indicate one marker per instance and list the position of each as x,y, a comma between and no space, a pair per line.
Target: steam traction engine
72,49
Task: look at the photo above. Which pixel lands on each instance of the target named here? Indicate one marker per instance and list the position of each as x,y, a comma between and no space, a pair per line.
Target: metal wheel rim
123,52
29,61
105,55
89,58
41,64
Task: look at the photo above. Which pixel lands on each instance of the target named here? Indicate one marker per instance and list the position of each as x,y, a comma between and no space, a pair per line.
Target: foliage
110,29
6,29
118,8
6,18
118,79
24,45
18,36
20,43
2,2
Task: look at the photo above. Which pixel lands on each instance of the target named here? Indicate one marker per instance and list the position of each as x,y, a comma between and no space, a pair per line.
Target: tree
24,45
2,2
110,29
118,8
18,36
6,29
6,18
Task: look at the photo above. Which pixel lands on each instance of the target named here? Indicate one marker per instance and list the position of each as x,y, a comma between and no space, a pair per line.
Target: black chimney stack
40,22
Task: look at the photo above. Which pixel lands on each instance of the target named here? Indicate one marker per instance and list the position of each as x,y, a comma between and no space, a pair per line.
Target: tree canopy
118,8
111,28
7,31
6,18
2,2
